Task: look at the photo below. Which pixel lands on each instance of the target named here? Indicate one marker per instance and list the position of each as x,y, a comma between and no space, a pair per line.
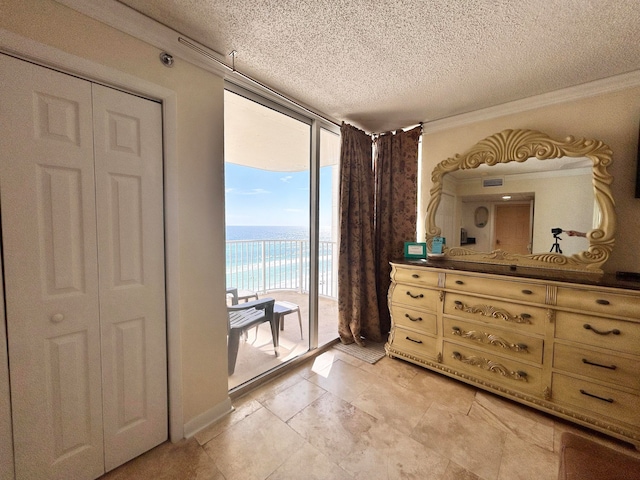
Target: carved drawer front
525,318
416,276
602,302
616,335
493,368
422,346
415,297
601,366
415,319
515,345
593,398
527,292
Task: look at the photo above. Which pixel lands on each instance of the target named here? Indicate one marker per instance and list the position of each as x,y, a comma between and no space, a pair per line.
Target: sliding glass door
272,186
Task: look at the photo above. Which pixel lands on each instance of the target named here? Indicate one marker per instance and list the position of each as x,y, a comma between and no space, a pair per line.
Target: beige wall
612,118
199,182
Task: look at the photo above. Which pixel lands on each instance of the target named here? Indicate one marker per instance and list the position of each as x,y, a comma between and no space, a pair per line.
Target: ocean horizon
273,232
262,258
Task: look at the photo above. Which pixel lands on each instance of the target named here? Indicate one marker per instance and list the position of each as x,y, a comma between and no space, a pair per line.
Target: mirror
535,191
481,216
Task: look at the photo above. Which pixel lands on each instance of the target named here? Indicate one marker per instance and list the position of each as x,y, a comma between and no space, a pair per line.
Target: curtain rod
233,69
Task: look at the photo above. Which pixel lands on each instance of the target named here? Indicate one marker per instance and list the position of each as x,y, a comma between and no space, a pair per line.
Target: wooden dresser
567,344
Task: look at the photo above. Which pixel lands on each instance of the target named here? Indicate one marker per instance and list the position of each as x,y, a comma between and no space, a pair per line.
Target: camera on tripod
556,246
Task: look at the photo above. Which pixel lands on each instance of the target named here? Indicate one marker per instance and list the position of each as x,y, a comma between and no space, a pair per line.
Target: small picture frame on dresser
415,250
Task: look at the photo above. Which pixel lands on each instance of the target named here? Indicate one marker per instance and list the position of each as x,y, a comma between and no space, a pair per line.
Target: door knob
57,318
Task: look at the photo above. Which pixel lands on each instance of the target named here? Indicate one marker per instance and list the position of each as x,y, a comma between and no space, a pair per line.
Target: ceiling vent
492,182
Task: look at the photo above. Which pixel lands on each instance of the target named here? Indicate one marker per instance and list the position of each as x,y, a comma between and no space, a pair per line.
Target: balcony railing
263,265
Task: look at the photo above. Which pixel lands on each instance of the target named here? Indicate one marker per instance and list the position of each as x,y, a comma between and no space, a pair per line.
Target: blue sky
262,197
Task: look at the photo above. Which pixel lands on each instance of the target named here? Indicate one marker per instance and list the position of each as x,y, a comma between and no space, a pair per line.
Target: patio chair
244,316
238,295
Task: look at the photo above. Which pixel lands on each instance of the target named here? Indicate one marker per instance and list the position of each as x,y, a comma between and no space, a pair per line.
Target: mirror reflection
520,197
515,206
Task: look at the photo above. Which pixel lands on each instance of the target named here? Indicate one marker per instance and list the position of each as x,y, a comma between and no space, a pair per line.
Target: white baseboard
207,418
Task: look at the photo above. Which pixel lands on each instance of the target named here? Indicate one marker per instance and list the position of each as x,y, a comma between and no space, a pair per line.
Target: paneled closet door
83,245
51,279
128,152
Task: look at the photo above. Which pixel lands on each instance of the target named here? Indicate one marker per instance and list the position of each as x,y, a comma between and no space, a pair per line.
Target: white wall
196,194
612,118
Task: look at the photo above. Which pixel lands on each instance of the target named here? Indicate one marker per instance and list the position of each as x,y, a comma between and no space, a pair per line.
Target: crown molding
585,90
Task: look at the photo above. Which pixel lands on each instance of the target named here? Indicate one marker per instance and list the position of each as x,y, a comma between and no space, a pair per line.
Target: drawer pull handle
527,292
526,316
413,340
413,319
615,331
415,275
420,295
459,282
584,392
602,301
610,367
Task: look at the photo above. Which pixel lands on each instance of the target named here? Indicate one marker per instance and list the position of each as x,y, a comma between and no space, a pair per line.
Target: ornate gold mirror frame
518,146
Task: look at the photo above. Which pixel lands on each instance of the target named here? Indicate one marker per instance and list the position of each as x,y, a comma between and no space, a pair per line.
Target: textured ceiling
383,65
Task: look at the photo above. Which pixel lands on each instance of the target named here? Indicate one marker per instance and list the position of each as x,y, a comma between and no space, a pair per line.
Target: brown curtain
357,298
396,197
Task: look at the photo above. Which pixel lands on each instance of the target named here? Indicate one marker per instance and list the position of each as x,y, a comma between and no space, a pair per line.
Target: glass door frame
316,123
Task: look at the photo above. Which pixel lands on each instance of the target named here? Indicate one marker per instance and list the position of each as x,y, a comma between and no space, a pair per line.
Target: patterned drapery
396,202
357,299
378,213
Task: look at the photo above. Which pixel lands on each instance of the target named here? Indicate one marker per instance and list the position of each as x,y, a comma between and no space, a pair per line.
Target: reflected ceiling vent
492,182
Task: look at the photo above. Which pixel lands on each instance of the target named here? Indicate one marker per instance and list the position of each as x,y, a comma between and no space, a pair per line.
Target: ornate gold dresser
561,342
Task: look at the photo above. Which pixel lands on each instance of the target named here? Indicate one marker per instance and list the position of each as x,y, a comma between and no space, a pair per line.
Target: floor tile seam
324,392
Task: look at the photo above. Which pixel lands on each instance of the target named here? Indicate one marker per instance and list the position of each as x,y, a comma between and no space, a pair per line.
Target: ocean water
263,258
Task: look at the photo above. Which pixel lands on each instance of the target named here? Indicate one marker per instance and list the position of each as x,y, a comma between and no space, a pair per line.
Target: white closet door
128,153
51,280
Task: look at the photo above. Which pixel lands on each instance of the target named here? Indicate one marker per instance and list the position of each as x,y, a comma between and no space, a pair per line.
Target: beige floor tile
471,443
443,390
185,460
311,464
343,380
395,405
525,423
253,448
241,411
522,460
394,370
456,472
332,425
292,400
384,453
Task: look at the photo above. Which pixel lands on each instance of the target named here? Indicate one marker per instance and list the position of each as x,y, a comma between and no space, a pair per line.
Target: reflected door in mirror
513,228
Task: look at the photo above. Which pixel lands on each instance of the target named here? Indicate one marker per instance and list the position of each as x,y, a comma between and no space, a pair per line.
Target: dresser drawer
592,398
415,297
515,345
601,366
617,335
528,292
417,276
601,302
506,314
409,341
496,369
419,320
